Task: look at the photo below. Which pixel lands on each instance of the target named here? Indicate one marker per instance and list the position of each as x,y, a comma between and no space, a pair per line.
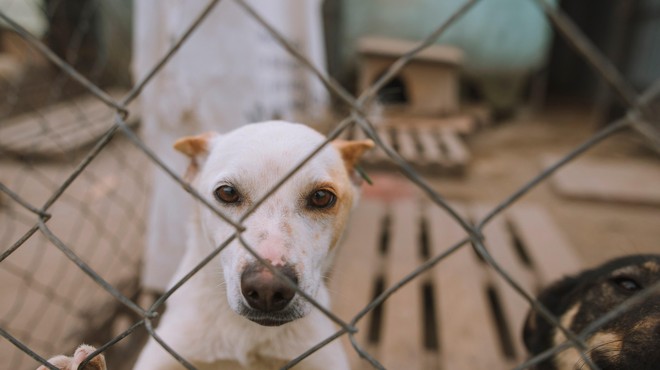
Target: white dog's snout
273,250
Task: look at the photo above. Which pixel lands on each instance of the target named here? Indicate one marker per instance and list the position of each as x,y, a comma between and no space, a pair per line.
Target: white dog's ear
196,148
351,151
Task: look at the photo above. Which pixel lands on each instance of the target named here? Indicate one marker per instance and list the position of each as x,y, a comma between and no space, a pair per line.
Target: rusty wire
637,118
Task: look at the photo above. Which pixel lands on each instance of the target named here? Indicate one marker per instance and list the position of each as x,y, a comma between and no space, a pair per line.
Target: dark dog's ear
196,148
537,331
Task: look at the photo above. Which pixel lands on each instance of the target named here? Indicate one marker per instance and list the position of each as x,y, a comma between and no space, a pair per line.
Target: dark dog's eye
321,199
627,284
227,194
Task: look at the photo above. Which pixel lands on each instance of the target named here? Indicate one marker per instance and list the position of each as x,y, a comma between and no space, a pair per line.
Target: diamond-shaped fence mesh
72,229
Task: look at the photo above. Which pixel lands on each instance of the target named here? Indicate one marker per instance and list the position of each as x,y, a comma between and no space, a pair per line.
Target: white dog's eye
321,199
227,194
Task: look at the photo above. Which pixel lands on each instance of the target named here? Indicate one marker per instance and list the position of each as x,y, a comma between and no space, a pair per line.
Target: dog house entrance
394,92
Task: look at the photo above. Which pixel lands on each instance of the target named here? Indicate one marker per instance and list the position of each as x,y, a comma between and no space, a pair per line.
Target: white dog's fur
203,321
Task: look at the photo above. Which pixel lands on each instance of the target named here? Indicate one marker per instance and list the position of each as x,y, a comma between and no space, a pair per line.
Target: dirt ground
507,155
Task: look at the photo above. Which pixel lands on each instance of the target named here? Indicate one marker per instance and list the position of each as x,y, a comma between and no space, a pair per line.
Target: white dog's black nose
264,291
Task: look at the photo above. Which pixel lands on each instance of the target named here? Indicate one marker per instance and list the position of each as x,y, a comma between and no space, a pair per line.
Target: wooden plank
407,146
431,153
435,149
608,180
379,154
551,254
428,157
357,265
390,47
500,244
402,346
457,153
462,124
468,339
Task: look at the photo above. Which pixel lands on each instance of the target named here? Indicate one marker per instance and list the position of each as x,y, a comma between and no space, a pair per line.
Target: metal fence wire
30,237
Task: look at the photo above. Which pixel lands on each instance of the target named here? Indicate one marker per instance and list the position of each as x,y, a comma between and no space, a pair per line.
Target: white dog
235,313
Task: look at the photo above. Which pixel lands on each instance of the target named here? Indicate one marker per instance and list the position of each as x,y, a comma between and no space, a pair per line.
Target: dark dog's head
630,341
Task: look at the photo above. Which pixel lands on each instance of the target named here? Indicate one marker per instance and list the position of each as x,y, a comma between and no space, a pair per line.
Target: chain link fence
86,253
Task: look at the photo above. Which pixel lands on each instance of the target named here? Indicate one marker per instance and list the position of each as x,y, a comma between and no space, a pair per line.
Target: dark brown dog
630,341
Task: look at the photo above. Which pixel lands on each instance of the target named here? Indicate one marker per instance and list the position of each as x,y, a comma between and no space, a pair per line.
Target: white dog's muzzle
267,299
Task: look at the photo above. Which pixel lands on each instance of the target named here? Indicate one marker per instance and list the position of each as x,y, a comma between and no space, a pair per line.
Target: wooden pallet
431,150
60,129
467,121
432,145
459,315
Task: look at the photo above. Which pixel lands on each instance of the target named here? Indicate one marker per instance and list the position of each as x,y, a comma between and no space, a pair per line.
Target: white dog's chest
261,364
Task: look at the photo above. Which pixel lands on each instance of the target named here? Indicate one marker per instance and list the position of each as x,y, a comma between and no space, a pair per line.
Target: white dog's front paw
72,363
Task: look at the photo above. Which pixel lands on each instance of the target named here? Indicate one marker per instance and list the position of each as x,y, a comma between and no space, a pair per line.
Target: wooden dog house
427,85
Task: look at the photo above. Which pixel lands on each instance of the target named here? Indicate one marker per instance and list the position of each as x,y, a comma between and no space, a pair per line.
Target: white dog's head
295,228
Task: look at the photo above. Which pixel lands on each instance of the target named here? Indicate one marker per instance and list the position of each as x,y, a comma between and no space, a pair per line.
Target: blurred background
497,98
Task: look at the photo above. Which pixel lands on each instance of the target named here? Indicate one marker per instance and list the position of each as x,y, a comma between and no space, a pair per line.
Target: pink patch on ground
388,187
